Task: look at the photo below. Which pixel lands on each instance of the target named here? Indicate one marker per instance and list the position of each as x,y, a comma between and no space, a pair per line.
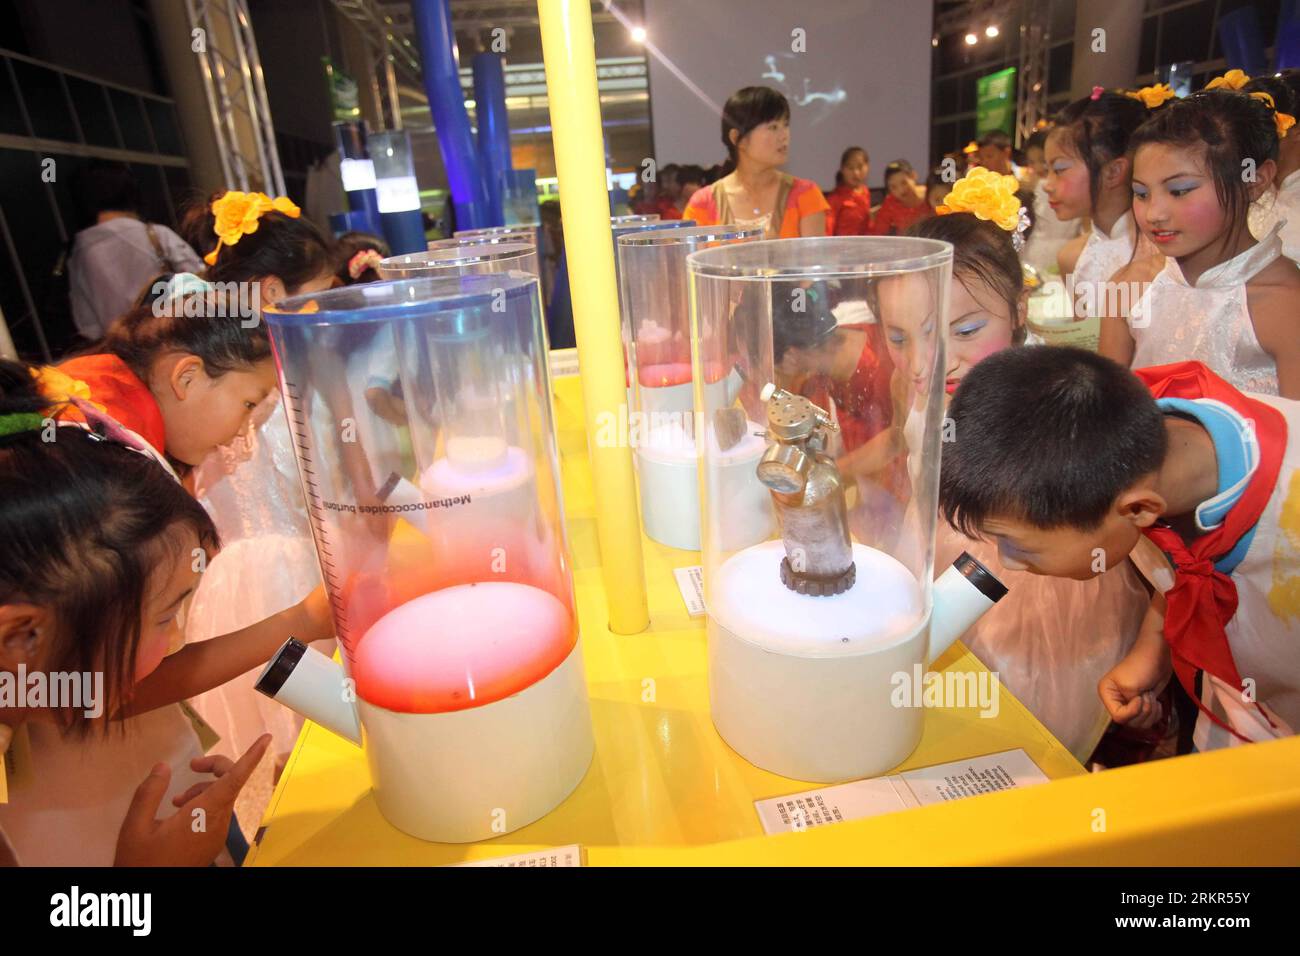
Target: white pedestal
475,774
802,686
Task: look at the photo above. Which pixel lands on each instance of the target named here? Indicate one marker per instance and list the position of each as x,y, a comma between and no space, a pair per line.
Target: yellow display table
664,789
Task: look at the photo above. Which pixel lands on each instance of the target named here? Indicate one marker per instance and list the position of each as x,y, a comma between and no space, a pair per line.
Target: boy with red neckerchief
1072,464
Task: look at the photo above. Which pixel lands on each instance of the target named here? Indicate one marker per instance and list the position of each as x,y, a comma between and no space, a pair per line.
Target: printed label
690,581
902,791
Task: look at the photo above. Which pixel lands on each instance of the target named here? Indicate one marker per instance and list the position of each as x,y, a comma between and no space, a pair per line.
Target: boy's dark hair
1099,130
1037,139
1050,436
84,523
292,249
746,110
348,245
220,335
994,137
805,327
981,250
1231,127
105,186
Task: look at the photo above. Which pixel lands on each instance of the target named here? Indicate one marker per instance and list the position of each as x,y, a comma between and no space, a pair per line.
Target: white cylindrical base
814,701
670,500
475,774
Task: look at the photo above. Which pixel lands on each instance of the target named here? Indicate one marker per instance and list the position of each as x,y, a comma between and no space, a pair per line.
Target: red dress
894,218
850,212
863,404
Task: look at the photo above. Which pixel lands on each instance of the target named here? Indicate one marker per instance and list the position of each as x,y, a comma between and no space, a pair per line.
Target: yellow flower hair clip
1281,121
60,387
1152,96
1232,80
237,214
990,196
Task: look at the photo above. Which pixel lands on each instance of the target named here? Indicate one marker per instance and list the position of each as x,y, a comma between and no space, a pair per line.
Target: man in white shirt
113,259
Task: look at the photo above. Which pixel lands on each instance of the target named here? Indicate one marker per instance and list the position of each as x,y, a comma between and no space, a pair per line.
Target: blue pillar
447,104
493,130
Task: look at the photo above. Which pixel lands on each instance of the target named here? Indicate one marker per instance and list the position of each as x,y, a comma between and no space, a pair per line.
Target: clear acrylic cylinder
819,481
655,303
485,255
439,525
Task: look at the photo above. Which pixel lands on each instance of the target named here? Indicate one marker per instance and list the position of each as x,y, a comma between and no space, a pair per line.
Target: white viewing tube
309,683
962,595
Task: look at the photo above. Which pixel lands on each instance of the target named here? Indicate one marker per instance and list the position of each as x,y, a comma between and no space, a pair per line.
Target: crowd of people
1172,445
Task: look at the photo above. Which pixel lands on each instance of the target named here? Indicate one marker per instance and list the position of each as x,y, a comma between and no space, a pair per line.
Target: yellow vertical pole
569,52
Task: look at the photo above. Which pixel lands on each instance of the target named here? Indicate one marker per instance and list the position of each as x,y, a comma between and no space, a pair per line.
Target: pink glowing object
462,647
660,376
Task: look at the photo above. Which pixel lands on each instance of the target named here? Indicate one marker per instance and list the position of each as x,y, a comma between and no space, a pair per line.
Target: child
250,484
99,553
994,153
903,204
1068,461
1050,235
1088,176
357,256
1049,641
1282,202
1220,297
850,200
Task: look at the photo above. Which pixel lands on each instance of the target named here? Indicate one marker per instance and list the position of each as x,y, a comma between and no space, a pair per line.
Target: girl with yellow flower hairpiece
1216,294
237,214
990,196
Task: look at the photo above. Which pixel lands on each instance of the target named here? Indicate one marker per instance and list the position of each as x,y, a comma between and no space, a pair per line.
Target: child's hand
145,840
1130,689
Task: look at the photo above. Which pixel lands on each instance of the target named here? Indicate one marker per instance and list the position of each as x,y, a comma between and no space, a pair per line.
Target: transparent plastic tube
437,514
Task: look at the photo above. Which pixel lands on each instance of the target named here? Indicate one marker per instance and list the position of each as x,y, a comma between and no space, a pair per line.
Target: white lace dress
267,563
1280,206
1207,322
1103,255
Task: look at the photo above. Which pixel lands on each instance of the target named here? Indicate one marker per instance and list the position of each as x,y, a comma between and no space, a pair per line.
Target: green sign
343,93
995,102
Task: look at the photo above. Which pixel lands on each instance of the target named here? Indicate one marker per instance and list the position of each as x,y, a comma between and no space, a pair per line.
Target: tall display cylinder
482,255
396,189
447,566
654,295
819,482
357,172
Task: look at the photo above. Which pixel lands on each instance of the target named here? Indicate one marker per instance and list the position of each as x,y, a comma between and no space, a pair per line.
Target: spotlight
638,34
971,39
934,41
991,30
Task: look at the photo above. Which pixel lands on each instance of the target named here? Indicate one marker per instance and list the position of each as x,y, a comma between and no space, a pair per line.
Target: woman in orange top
850,202
903,204
756,132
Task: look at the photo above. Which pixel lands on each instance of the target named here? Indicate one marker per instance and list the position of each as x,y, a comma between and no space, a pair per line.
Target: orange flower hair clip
1281,121
1232,80
1152,96
237,215
990,196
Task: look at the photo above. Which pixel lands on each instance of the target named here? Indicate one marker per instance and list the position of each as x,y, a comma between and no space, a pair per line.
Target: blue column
493,130
447,104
